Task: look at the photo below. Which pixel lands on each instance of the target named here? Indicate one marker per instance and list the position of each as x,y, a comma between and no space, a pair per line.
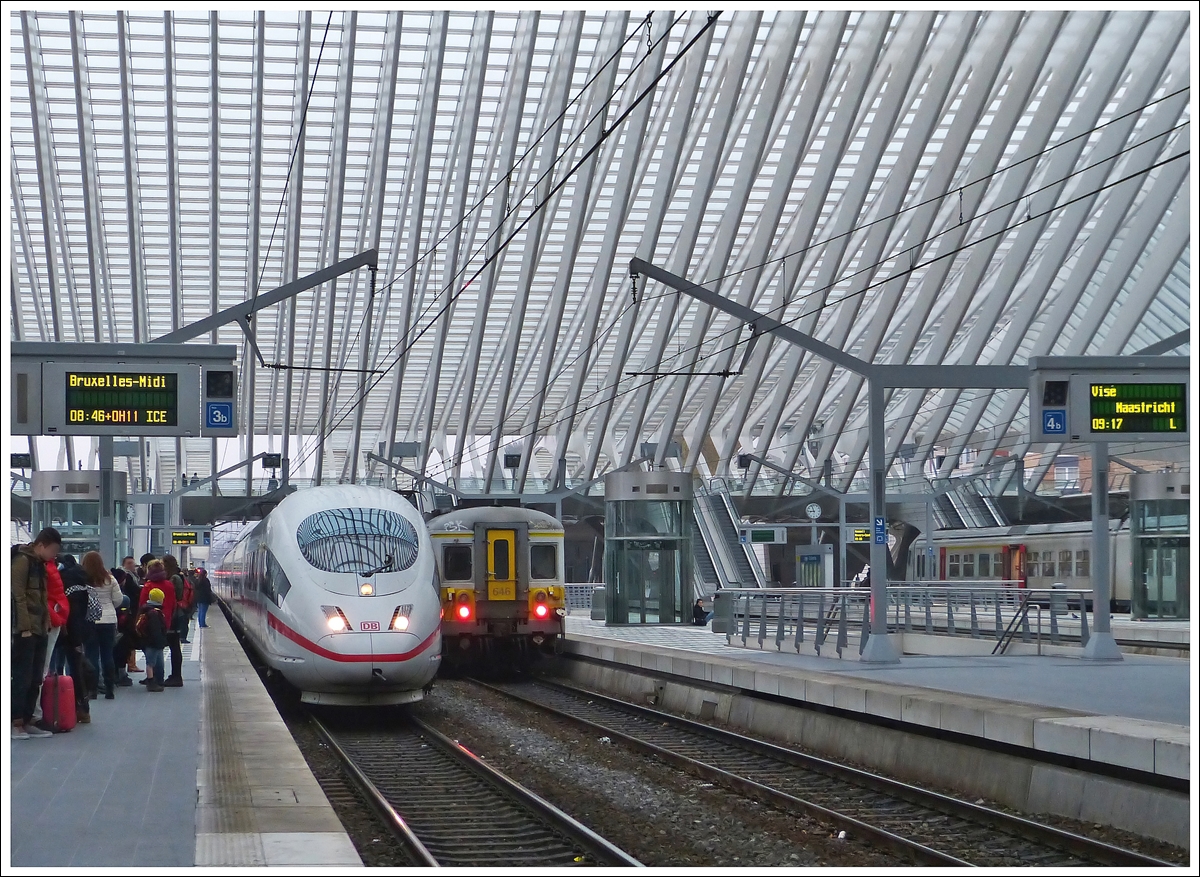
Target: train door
1012,559
501,564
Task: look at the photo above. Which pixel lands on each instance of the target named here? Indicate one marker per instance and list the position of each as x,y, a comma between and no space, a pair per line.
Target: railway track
925,826
447,807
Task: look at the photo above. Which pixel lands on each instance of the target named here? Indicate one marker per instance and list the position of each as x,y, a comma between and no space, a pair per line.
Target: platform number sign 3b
1054,421
218,415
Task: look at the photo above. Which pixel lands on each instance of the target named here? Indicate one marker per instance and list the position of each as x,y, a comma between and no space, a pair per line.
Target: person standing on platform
183,598
31,626
60,611
104,596
125,653
143,568
71,645
130,566
204,596
152,631
157,579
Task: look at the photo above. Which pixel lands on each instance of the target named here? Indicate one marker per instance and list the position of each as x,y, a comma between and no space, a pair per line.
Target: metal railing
800,616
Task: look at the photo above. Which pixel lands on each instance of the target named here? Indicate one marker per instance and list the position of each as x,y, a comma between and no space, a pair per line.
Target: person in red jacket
156,577
56,601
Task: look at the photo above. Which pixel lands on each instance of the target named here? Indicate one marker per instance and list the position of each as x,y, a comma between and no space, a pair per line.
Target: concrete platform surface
206,775
1135,714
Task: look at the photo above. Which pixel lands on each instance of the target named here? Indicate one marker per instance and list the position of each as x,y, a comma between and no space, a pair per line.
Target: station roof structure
910,187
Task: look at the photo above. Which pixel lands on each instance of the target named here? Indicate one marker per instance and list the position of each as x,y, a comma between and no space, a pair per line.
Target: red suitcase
58,703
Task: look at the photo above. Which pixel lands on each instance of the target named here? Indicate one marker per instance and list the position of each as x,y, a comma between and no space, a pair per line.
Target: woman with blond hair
104,598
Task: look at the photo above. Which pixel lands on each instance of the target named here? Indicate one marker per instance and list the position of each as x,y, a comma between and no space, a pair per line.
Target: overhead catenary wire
932,260
911,207
551,192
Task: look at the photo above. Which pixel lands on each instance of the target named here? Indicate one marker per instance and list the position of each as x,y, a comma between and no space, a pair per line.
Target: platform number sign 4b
1054,421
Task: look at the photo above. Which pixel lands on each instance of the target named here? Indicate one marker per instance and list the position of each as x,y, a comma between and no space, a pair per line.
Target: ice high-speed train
337,590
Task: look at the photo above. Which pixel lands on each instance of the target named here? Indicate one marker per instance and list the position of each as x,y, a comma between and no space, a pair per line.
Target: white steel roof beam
675,103
1070,226
42,150
1019,79
765,92
334,205
249,357
729,70
897,70
549,119
590,124
292,229
457,255
133,200
97,265
635,136
412,203
1079,35
381,147
516,88
820,49
843,98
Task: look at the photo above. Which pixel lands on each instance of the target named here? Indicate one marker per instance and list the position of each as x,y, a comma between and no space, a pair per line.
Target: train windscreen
356,540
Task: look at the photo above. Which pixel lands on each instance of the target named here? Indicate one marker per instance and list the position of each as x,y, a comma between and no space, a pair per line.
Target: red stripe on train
311,646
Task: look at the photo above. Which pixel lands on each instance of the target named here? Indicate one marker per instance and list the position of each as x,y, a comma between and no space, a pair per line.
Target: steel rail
601,850
411,843
1057,839
527,828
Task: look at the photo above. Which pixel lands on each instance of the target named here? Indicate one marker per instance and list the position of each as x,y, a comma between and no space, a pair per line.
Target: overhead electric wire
507,176
866,225
539,206
937,258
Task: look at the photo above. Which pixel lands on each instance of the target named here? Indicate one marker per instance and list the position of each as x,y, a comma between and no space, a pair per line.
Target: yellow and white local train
502,584
336,588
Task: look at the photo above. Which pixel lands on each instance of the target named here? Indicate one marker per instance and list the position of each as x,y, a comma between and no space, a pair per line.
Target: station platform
203,775
1135,714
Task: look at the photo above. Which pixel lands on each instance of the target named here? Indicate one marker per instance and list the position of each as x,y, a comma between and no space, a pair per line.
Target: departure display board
1120,408
184,537
138,398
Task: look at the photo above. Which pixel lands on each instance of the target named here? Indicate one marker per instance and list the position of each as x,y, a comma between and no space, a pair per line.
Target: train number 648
369,625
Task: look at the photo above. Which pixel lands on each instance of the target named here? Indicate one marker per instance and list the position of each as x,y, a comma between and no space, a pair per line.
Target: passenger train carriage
337,590
502,582
1028,556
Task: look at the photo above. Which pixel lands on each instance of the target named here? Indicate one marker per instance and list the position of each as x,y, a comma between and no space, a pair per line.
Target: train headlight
335,619
400,618
366,589
540,610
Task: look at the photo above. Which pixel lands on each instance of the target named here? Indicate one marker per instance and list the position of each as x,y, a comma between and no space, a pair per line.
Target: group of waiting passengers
90,621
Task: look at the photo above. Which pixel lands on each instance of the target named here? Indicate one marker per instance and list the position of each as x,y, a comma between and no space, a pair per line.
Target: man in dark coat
31,626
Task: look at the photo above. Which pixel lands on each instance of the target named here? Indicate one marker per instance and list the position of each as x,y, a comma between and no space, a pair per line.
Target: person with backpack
125,650
104,596
157,579
30,628
69,652
152,631
180,621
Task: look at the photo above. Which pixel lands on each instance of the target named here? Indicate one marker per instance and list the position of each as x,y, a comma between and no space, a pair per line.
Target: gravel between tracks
659,815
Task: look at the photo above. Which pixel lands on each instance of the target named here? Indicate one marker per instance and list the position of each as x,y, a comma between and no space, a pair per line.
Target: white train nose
353,658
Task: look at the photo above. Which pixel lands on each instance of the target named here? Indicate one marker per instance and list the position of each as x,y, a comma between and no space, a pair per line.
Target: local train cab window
985,566
955,568
543,562
456,560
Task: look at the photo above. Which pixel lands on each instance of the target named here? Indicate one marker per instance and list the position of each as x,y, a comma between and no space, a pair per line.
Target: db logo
218,415
369,625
